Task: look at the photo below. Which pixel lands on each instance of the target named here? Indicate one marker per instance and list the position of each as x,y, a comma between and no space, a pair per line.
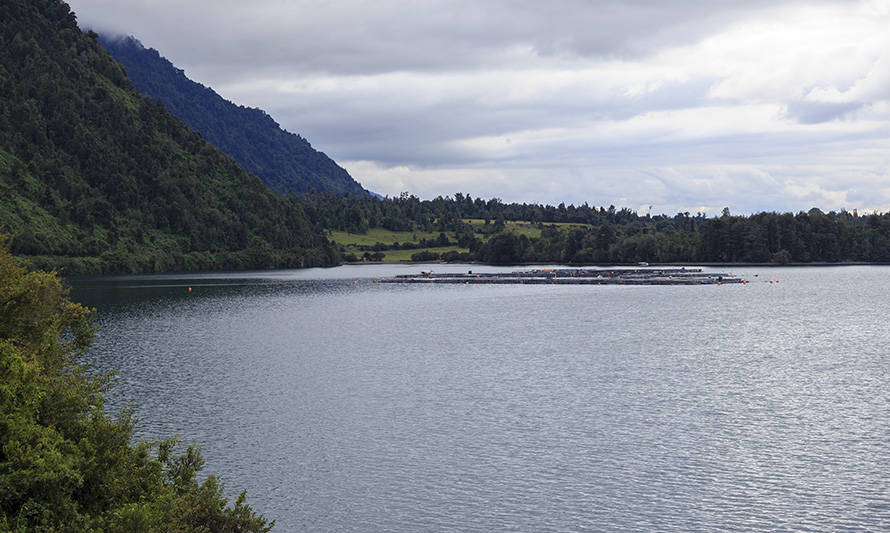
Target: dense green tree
64,464
425,255
96,177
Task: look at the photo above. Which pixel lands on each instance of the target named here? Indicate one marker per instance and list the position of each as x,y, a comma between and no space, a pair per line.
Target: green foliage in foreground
64,464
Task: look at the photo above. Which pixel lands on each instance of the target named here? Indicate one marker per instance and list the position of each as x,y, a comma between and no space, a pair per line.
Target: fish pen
579,276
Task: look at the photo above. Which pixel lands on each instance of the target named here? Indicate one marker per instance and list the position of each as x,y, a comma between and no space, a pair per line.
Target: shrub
64,464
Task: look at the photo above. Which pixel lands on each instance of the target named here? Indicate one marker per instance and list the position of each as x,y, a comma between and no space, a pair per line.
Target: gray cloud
816,112
755,105
368,37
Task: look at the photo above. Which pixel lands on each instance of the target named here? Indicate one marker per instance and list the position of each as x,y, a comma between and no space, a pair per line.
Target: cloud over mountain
755,105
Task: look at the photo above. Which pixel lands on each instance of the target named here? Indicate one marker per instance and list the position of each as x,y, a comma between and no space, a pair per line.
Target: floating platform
636,276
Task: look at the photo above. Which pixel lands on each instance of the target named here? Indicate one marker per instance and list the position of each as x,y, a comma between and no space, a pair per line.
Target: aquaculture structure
580,276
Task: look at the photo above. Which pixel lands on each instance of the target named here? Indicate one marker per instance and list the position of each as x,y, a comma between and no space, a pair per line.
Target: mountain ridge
285,161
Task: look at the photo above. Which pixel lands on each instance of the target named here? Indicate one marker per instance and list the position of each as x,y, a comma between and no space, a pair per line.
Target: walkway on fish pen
639,276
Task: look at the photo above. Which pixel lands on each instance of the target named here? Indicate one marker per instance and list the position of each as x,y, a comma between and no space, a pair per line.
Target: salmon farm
653,276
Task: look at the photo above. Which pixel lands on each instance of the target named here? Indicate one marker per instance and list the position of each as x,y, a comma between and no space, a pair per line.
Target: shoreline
79,276
609,265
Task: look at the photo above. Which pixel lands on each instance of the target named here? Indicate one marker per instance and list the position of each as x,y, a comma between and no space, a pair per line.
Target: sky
681,105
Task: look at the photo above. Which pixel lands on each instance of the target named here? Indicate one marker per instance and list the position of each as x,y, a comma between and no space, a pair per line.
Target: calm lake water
375,407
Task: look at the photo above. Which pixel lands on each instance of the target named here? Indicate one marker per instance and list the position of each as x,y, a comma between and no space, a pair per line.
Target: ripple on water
534,408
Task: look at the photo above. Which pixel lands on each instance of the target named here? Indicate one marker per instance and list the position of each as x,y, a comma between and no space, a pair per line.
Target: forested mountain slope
284,161
96,177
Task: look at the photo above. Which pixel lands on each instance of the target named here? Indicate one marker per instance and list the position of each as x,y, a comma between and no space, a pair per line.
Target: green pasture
385,236
529,229
351,242
394,256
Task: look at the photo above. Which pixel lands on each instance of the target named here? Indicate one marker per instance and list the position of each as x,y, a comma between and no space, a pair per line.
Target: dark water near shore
372,407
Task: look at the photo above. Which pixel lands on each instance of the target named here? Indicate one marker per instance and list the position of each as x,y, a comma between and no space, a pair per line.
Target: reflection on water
344,406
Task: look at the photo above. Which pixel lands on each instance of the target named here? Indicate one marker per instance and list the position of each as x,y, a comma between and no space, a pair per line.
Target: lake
344,406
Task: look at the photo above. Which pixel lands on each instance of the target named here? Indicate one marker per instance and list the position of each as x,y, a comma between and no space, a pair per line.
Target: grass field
351,241
385,236
394,256
520,228
529,229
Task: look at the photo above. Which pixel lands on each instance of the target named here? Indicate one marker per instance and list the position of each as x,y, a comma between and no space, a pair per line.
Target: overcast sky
683,105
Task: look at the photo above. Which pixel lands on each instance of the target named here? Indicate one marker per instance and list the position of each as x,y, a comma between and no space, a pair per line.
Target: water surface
344,406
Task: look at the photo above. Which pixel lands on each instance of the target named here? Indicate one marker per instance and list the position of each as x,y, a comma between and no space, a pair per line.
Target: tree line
609,235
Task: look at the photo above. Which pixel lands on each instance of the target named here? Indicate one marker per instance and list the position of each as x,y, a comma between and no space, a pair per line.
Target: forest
586,234
95,177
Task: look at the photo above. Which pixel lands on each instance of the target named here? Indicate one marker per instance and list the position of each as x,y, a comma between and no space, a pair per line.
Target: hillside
96,177
284,161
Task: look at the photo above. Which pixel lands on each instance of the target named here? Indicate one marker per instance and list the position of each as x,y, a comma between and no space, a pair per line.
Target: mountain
97,177
284,161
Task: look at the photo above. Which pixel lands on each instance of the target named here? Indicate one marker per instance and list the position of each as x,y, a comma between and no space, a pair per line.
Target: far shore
477,263
610,265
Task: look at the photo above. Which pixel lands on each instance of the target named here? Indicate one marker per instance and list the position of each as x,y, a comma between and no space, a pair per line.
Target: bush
64,464
782,257
425,255
453,256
